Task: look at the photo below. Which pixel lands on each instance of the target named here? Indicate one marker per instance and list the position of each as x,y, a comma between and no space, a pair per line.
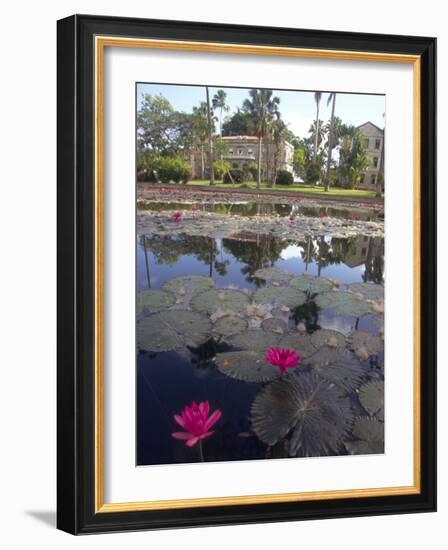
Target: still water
168,380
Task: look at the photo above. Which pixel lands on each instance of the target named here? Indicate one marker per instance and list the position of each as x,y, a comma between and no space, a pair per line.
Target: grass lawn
300,188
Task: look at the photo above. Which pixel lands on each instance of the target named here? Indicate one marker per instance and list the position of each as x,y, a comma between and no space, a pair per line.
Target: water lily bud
332,342
361,353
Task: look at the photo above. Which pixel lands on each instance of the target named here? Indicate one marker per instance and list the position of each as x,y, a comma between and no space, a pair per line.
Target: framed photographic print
246,266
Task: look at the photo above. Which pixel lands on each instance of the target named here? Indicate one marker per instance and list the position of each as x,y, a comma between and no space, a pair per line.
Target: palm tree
210,138
200,125
278,131
331,97
219,102
262,108
317,98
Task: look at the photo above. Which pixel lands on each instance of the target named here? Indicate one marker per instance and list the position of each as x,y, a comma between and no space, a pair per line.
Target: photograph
260,273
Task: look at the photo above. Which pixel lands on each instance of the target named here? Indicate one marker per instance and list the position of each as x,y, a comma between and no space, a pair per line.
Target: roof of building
371,123
239,138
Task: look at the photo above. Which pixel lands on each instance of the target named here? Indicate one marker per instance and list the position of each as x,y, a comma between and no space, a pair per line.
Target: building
374,144
241,151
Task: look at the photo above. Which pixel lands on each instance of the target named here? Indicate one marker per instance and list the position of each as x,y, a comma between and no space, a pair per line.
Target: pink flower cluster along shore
196,423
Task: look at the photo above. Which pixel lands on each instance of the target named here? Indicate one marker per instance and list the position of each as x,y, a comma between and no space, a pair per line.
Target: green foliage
239,124
147,164
252,169
173,169
284,178
353,159
221,168
298,161
235,175
313,173
161,128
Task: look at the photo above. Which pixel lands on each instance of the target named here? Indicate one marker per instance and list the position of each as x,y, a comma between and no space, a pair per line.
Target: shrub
245,186
147,163
284,178
221,167
235,175
173,169
252,170
313,173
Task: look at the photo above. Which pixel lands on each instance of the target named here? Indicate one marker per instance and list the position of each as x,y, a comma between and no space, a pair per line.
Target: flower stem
201,453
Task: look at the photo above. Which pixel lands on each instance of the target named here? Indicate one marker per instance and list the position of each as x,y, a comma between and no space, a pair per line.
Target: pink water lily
282,358
176,217
196,422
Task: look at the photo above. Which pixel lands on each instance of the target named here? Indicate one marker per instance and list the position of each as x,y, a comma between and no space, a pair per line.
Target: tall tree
238,124
317,98
331,97
262,107
219,103
200,125
278,130
210,138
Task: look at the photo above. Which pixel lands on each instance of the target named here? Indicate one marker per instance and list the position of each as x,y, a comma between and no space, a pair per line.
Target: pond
215,294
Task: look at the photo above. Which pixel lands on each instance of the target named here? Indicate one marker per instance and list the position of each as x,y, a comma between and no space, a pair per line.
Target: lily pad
339,367
246,365
229,324
370,291
371,396
311,284
361,339
272,274
280,296
370,437
328,338
300,343
256,340
272,324
172,330
220,298
343,303
191,284
154,300
311,409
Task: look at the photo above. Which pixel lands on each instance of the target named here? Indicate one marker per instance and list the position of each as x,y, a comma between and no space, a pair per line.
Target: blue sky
297,108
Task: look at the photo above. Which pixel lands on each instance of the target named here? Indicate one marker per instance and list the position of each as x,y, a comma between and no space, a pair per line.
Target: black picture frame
76,264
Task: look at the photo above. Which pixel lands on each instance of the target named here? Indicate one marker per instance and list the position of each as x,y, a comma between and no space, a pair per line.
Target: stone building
241,151
374,144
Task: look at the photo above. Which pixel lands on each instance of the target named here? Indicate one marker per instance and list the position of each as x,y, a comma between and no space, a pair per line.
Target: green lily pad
343,303
272,274
272,324
172,330
300,343
370,291
311,284
229,324
246,365
328,338
154,300
281,296
370,437
256,340
313,411
371,396
220,298
361,339
339,367
190,284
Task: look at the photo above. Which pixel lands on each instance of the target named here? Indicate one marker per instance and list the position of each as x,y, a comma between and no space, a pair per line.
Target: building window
250,152
375,162
377,143
361,178
366,143
363,251
373,180
231,152
241,152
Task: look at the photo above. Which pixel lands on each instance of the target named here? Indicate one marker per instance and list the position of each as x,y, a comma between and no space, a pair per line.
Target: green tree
317,98
210,138
262,107
237,125
161,128
219,103
331,98
200,136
